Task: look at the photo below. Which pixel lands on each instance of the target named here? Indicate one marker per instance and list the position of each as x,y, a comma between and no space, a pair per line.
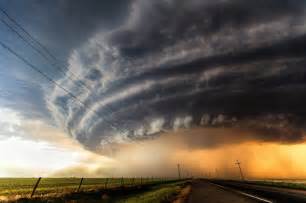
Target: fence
46,186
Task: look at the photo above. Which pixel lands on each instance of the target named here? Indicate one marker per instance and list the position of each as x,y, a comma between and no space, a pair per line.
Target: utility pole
241,175
179,171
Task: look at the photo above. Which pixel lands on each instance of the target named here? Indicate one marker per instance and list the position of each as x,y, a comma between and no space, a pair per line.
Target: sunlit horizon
61,156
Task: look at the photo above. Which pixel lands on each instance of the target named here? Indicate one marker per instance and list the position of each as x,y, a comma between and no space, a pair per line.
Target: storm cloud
180,64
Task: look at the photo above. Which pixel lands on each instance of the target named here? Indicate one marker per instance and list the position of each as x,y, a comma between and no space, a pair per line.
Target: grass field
300,185
156,194
20,187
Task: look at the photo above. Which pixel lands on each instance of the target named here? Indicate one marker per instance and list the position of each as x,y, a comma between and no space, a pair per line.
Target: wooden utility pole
179,171
241,174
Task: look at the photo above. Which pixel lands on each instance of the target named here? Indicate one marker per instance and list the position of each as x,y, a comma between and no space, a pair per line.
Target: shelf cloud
189,64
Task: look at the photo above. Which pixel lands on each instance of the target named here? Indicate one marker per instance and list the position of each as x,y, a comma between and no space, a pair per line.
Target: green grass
24,186
290,185
157,194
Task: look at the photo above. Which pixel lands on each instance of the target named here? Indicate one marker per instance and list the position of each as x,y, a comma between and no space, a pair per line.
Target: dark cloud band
178,64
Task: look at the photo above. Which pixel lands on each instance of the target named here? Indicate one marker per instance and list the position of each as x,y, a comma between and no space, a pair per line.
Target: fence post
80,184
133,180
122,181
35,186
140,180
106,183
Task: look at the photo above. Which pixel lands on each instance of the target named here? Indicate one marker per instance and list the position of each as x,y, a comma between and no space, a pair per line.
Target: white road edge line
243,193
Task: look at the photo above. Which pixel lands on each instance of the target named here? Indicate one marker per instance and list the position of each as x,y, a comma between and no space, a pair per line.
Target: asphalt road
271,194
203,191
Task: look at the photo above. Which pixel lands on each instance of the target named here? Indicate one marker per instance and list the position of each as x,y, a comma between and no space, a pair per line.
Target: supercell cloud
183,64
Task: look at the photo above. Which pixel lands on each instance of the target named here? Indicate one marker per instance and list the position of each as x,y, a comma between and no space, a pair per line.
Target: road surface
203,191
272,194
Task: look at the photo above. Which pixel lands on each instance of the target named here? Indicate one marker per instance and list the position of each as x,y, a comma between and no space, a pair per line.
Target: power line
54,82
42,53
27,33
109,109
31,36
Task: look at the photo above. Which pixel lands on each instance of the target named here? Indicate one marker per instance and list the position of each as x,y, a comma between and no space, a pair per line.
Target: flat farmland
23,187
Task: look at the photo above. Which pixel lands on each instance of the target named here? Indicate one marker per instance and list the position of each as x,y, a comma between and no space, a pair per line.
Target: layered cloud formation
178,64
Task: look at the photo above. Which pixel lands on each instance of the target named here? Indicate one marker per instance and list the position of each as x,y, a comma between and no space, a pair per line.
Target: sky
133,87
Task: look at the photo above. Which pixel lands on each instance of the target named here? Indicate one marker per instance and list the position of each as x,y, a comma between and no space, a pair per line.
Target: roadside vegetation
91,190
282,184
24,186
164,193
